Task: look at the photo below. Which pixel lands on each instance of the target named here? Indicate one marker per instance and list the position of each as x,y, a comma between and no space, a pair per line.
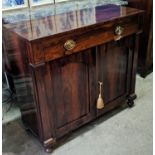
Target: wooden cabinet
145,58
58,71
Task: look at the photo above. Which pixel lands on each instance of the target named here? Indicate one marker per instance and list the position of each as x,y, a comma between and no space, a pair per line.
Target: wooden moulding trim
139,32
37,65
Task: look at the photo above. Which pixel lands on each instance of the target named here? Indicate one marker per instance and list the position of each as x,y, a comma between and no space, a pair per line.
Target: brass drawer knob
69,45
119,30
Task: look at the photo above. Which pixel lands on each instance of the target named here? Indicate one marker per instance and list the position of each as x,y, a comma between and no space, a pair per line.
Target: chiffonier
70,68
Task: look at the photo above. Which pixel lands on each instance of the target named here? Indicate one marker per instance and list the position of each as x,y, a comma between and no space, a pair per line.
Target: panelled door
73,87
114,61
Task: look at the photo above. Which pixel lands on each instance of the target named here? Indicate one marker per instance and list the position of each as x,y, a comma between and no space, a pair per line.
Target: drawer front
57,47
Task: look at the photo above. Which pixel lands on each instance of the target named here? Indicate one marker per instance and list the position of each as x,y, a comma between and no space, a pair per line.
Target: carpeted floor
124,131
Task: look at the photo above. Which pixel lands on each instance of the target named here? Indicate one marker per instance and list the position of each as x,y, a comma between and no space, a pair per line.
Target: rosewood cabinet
57,72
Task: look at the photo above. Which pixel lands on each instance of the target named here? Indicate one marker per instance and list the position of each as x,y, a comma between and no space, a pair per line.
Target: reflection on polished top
38,26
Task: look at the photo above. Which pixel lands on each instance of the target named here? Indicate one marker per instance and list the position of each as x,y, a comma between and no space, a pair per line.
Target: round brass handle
69,45
119,30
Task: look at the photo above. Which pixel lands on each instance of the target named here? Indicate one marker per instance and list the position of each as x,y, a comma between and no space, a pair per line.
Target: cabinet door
73,95
114,70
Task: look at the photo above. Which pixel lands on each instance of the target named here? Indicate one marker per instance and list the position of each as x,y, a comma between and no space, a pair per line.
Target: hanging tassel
100,102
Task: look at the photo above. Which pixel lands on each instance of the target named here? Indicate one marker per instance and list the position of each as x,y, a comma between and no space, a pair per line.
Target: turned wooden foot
48,150
48,145
130,103
130,100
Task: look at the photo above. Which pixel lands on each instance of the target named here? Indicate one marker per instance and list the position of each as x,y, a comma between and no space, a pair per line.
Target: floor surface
124,131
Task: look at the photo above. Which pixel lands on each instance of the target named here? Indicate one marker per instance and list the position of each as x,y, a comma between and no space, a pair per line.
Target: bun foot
130,103
49,150
130,99
48,145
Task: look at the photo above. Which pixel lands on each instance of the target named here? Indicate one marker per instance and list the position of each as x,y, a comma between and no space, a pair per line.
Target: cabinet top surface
38,26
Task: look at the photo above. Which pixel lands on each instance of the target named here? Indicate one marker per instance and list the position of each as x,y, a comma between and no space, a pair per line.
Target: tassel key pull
100,102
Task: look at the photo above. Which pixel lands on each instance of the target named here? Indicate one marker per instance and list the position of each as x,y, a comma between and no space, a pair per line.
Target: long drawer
55,47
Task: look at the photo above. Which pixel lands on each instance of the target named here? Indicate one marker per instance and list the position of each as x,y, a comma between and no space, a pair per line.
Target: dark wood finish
58,89
113,61
72,82
145,58
16,65
54,49
69,22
